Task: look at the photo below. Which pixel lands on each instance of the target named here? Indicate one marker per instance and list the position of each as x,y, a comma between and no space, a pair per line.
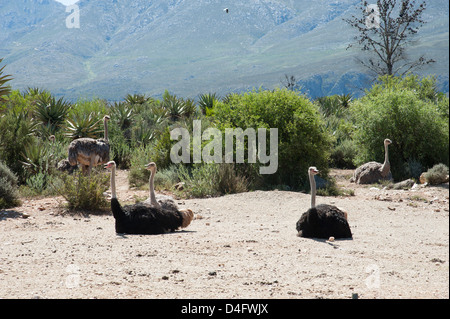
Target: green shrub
415,126
37,182
210,180
138,175
413,168
200,181
160,152
302,138
230,181
343,154
17,131
8,188
84,192
438,174
167,178
337,120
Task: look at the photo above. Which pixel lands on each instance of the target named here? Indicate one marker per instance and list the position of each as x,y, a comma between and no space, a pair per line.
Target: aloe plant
50,112
174,106
36,158
136,99
4,90
157,116
122,113
143,135
84,125
207,102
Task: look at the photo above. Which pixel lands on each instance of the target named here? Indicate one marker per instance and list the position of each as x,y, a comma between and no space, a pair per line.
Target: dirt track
239,246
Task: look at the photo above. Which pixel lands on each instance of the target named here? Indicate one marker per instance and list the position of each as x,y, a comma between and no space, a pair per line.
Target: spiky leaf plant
4,90
84,125
51,112
174,106
207,102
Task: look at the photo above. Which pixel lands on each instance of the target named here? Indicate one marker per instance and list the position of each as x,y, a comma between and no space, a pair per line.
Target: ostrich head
51,138
313,170
110,165
106,118
151,167
387,142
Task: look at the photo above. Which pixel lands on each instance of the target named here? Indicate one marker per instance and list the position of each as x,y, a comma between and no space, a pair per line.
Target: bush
17,131
84,192
8,188
343,154
418,131
302,138
138,175
436,175
212,180
167,178
337,119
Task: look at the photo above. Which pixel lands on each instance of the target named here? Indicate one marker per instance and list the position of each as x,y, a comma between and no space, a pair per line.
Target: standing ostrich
144,219
159,201
90,152
322,221
373,172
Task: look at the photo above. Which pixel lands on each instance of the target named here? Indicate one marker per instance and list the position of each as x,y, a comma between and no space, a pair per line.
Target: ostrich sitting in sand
144,219
322,221
90,152
159,201
373,172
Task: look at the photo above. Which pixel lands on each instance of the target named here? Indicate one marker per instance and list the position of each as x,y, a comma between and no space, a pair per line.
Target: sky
67,2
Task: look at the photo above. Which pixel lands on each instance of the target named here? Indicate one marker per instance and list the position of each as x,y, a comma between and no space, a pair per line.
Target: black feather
144,219
323,221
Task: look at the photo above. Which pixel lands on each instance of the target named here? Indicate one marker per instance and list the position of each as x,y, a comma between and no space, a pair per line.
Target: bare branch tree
386,29
289,82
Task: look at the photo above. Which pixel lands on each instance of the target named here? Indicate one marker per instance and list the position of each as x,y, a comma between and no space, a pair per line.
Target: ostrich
159,201
373,172
322,221
144,219
90,152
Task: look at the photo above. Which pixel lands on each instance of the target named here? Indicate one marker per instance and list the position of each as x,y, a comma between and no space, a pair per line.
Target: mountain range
120,47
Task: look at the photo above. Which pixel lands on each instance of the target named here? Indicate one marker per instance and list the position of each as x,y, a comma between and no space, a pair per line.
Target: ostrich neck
105,124
152,190
312,182
113,182
386,165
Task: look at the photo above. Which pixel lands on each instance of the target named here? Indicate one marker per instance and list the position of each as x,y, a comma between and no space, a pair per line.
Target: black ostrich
322,221
144,219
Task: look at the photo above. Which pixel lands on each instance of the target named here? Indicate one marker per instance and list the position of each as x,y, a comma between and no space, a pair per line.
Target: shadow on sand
11,214
165,234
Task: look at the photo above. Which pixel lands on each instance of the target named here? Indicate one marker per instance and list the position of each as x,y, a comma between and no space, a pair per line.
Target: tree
290,82
386,29
400,109
4,90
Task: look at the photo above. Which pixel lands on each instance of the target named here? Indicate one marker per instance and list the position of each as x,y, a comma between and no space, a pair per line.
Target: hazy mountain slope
192,47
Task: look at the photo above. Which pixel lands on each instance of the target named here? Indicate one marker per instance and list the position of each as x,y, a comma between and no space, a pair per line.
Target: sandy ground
239,246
